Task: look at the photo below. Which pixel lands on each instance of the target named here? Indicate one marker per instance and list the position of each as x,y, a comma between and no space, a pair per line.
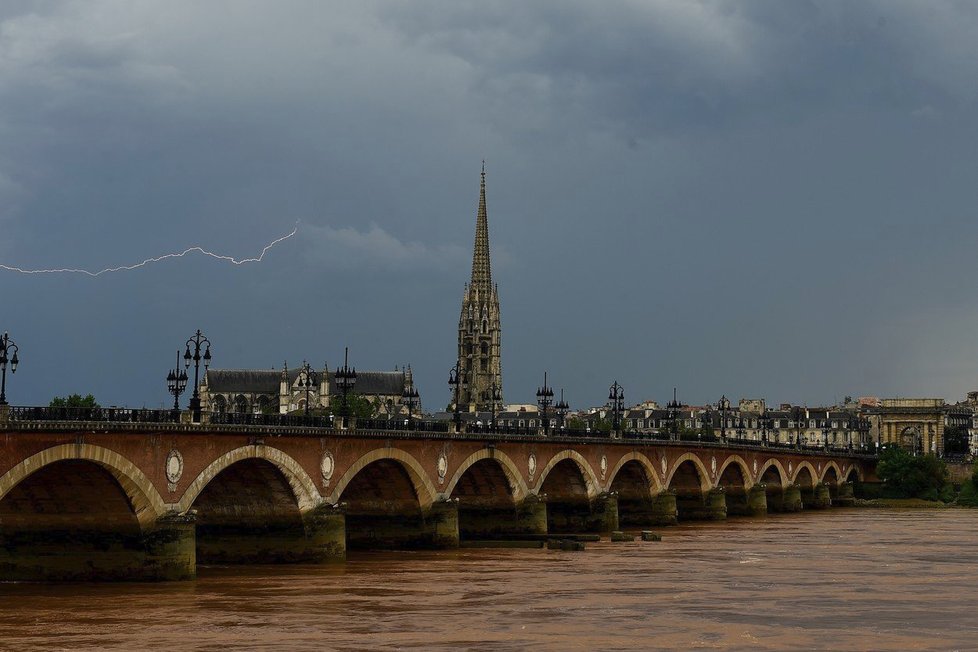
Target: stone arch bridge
144,500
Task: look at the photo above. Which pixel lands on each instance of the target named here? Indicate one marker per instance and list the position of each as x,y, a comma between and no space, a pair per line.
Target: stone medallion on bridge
604,466
713,466
665,466
442,467
174,469
789,468
755,466
531,465
326,467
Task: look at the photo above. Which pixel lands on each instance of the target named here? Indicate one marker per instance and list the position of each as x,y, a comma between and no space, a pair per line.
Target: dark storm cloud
751,198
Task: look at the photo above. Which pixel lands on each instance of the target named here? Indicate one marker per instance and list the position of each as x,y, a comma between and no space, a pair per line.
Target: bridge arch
855,474
506,464
303,488
765,472
805,465
744,470
704,475
832,466
655,482
146,502
422,484
590,479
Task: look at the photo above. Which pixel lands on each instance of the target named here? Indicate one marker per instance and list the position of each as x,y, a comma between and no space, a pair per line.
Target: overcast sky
757,199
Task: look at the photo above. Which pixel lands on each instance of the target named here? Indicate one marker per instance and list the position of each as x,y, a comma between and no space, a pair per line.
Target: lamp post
494,396
825,433
562,409
458,384
723,406
308,380
616,395
409,396
176,382
763,422
8,353
545,398
346,378
197,341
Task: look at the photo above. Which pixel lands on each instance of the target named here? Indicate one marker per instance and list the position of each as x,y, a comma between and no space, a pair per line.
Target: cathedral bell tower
478,326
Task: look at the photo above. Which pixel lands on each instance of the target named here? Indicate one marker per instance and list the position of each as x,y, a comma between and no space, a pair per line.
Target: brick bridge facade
128,501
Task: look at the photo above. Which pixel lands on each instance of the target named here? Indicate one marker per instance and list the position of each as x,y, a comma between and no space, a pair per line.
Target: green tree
74,401
576,423
909,476
360,406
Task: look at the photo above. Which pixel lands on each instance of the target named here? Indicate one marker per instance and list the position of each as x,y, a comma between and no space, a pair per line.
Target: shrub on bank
913,476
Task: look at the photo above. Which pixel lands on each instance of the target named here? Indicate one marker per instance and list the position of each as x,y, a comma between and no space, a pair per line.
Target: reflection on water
839,580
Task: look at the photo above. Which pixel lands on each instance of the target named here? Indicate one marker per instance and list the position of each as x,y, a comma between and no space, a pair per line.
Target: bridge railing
99,414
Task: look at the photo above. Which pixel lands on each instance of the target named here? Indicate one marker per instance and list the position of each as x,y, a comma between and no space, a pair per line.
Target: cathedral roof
266,381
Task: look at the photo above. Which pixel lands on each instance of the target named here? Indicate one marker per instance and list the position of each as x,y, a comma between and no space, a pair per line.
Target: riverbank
900,503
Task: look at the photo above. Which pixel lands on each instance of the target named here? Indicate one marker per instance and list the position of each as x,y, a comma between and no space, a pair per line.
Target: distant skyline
768,200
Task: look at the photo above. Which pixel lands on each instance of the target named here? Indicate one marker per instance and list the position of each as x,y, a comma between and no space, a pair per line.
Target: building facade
270,391
479,332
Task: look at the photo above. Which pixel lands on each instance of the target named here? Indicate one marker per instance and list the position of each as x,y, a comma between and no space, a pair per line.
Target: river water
836,580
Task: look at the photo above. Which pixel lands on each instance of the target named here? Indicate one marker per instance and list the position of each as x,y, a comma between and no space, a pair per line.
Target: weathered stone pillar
664,509
823,498
792,499
846,495
325,528
171,548
716,505
757,501
442,521
604,513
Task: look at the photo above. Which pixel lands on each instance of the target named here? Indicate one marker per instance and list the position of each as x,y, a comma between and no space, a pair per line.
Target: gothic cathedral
478,326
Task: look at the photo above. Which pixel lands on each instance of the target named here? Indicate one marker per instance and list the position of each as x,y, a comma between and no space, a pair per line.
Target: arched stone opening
688,483
568,504
805,480
486,504
70,520
774,484
635,495
735,484
831,480
383,511
248,514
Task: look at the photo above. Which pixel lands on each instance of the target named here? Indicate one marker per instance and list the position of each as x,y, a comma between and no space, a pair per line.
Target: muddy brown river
836,580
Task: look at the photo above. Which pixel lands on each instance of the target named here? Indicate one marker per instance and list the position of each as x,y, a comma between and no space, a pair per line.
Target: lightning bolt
156,259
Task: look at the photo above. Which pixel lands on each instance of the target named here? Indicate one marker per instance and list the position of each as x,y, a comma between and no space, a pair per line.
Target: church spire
481,268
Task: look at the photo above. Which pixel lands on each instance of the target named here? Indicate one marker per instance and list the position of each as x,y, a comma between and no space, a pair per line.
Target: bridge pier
599,514
171,549
846,495
433,528
664,510
711,507
659,509
325,530
752,502
822,497
604,514
792,501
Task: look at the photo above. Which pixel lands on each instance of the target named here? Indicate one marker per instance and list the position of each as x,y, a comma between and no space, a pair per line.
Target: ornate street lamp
176,382
346,378
616,395
410,396
494,396
545,398
797,414
562,409
197,341
458,384
8,353
723,405
308,381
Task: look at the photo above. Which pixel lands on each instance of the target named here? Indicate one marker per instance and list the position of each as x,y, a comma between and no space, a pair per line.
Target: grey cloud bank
764,199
